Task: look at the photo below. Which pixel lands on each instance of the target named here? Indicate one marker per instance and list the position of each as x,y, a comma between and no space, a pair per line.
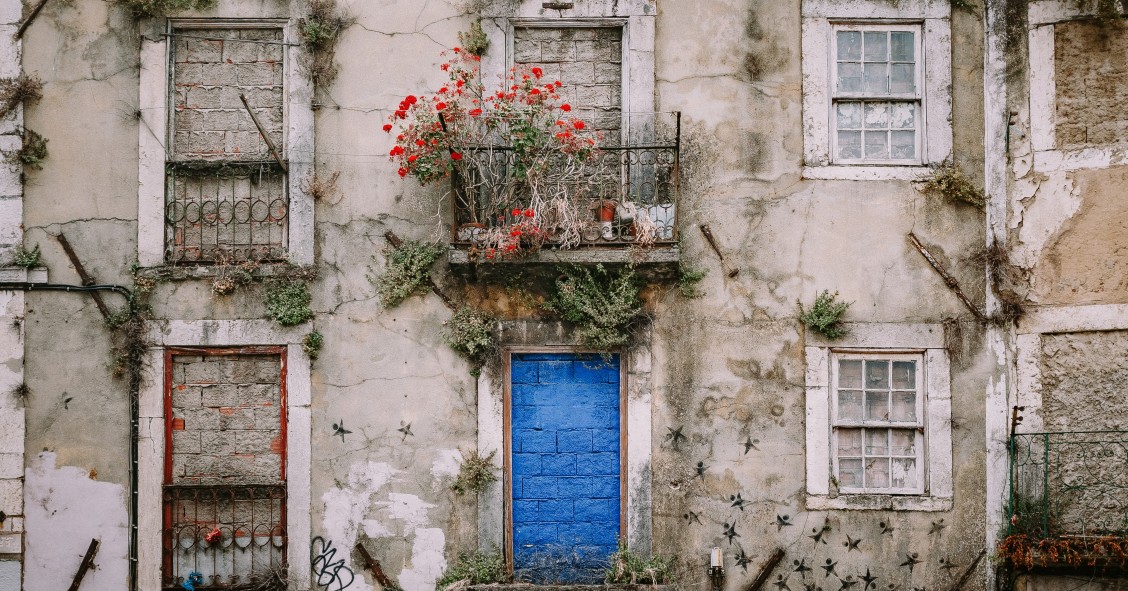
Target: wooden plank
87,279
30,17
374,567
262,132
87,562
948,279
766,570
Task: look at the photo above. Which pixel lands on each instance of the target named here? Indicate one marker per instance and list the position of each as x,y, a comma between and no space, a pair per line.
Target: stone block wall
1092,84
589,63
226,419
1084,377
210,69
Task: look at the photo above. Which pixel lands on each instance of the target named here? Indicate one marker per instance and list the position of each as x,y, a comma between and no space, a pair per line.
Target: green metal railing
1069,484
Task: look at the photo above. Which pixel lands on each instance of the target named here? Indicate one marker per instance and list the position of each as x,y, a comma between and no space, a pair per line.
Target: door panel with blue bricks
565,465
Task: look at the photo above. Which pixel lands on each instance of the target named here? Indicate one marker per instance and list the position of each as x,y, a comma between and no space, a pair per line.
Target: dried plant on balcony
17,91
406,270
525,172
230,276
605,306
1026,551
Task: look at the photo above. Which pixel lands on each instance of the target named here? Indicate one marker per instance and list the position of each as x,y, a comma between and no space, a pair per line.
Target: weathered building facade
205,437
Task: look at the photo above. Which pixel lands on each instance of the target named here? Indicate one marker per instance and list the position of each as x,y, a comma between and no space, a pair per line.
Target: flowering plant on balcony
525,171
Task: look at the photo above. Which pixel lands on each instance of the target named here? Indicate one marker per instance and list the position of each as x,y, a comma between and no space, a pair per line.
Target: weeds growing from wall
475,473
689,278
231,276
320,30
605,306
312,344
321,188
474,41
20,393
406,271
627,568
148,8
478,568
287,301
948,181
19,90
825,315
28,259
470,333
32,153
1008,281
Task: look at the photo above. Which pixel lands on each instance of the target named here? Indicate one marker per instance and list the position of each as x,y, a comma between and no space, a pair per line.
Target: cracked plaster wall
726,368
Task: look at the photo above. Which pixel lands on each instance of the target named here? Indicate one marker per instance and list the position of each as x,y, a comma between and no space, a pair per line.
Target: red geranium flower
388,127
403,171
396,151
516,212
578,124
529,213
401,114
455,156
420,143
413,158
538,72
475,112
410,99
440,106
565,107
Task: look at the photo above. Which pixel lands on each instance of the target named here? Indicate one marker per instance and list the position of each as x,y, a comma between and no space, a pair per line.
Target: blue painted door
565,465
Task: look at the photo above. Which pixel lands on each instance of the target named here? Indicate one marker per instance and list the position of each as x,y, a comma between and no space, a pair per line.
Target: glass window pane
850,405
876,46
876,115
877,473
850,473
877,78
877,405
849,144
850,45
850,373
902,442
877,442
876,145
849,77
904,407
902,78
849,442
902,115
902,145
850,117
877,374
904,473
902,46
904,375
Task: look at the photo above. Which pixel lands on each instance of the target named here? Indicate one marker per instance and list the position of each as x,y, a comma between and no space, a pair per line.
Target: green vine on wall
470,333
320,30
406,271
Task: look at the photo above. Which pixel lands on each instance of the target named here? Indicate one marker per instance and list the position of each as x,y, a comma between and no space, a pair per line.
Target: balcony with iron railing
1068,504
619,203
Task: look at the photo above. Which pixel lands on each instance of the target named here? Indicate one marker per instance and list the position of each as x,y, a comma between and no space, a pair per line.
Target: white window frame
154,143
918,425
916,97
820,18
880,340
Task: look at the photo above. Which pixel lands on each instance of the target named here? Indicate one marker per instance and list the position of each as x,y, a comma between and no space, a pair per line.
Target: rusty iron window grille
638,174
219,212
233,536
1069,484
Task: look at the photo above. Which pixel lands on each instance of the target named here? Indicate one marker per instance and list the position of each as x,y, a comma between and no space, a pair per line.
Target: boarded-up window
225,481
226,195
1091,73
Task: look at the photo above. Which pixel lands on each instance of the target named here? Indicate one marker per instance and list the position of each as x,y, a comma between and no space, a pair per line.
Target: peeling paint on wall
65,509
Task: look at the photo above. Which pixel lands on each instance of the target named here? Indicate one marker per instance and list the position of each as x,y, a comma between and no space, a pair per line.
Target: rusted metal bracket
265,136
397,242
766,570
373,567
947,277
30,17
729,272
967,572
87,279
87,562
1016,418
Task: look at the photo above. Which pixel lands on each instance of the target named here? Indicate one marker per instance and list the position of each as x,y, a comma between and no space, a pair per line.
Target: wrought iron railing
225,537
1069,484
217,212
623,193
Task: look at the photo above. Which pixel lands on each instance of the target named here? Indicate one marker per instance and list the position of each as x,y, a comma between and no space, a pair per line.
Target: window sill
864,172
878,503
